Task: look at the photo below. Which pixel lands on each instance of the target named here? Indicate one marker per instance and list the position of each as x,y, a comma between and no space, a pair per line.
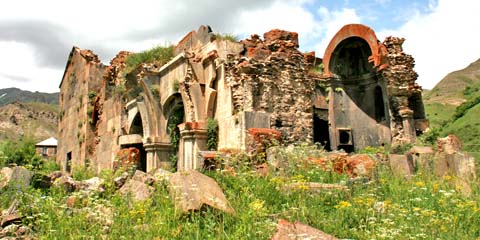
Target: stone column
158,155
408,124
193,139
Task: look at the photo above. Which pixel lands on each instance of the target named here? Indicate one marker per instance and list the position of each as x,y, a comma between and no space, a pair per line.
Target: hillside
37,120
452,106
451,89
10,95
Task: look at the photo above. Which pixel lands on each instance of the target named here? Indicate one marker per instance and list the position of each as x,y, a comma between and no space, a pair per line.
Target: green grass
439,114
423,208
160,54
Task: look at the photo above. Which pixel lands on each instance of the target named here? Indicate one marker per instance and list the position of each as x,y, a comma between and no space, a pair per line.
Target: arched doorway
175,115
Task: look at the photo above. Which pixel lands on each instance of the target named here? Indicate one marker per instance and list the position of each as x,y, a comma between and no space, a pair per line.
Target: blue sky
36,36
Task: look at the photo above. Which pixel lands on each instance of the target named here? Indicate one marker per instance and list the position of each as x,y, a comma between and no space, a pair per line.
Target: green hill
10,95
452,106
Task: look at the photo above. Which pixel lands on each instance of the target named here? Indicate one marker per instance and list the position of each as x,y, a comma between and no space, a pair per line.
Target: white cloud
443,40
331,23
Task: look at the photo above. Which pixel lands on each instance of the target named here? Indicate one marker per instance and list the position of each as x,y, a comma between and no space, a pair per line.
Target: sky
36,36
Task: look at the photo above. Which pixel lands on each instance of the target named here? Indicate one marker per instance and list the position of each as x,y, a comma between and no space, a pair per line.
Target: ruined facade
362,94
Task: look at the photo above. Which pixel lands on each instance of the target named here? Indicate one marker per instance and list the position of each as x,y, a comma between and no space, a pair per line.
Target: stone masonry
362,93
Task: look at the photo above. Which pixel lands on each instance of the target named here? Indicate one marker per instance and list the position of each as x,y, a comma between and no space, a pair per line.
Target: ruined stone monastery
361,93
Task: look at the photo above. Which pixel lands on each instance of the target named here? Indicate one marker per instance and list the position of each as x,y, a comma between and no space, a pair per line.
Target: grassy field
387,208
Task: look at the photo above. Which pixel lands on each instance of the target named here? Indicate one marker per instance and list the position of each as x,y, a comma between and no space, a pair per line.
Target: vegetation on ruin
390,207
226,36
212,134
158,54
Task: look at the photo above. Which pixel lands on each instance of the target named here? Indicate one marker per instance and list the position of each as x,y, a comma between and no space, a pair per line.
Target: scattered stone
360,165
54,175
160,175
91,185
137,189
298,231
190,190
5,176
422,157
143,177
10,215
17,177
458,163
66,182
262,169
402,165
449,144
262,138
120,180
23,230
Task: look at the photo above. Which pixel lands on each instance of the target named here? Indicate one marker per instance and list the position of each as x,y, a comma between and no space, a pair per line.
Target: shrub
463,108
226,36
21,152
212,133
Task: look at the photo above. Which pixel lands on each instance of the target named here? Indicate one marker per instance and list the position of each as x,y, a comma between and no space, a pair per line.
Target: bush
20,152
463,108
212,134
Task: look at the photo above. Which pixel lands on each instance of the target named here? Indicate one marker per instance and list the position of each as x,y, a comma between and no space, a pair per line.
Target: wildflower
343,204
257,205
420,184
447,177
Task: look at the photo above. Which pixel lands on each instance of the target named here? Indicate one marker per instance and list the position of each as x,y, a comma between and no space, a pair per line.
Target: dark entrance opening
345,140
321,134
137,125
68,163
379,105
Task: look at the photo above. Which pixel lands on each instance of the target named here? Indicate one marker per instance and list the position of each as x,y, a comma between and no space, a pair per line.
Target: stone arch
138,114
355,31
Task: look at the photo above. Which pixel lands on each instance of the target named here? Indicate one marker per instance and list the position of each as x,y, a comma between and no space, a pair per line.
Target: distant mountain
10,95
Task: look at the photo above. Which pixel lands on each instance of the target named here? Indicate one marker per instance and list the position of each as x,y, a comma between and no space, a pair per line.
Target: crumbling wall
401,86
272,77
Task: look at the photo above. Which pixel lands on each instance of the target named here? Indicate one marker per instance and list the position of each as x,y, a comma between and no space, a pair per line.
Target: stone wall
272,77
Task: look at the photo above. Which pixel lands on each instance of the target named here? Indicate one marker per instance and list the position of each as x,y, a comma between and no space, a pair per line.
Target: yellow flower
343,204
257,205
447,177
420,184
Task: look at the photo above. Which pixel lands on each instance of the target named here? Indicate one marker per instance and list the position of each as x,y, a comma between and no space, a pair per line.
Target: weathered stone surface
360,165
120,180
10,215
143,177
137,189
5,176
16,177
160,175
66,182
449,144
422,157
401,164
298,231
458,163
127,158
91,185
191,190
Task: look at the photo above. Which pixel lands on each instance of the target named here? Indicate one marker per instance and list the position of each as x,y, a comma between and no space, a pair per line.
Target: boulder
10,215
137,189
66,182
5,175
360,165
298,231
449,144
94,184
160,175
16,177
401,165
190,190
143,177
120,180
458,163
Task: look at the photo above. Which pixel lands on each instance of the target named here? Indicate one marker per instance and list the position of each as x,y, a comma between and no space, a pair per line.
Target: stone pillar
158,155
193,139
408,124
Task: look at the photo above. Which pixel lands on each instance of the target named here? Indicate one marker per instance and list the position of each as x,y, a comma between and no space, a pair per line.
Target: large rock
449,144
402,165
298,231
138,190
16,177
191,190
160,175
360,165
458,163
143,177
91,185
66,182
